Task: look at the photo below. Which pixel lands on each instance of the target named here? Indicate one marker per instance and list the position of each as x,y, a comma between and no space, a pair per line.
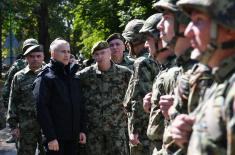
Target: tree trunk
43,19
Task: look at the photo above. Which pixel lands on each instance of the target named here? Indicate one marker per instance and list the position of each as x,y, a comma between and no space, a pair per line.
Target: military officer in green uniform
104,85
21,114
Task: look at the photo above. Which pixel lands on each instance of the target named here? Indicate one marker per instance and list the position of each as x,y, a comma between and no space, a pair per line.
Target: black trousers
66,147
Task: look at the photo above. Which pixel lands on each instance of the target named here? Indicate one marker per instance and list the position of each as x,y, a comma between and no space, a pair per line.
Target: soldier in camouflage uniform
117,47
192,85
212,33
21,114
2,115
134,39
145,70
104,85
17,66
163,89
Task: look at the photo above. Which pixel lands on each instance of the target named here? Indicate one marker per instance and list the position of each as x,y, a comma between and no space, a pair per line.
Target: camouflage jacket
22,104
145,70
164,84
213,130
17,66
194,82
103,94
127,61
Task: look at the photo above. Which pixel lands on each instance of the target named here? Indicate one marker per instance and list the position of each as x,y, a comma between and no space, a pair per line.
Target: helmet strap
131,51
177,34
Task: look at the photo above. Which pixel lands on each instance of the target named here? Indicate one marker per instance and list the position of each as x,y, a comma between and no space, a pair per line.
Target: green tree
96,20
81,22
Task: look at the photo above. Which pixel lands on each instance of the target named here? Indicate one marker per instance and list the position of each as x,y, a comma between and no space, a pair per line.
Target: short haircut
56,43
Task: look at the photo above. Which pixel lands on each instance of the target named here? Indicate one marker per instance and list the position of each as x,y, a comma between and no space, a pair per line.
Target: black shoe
11,140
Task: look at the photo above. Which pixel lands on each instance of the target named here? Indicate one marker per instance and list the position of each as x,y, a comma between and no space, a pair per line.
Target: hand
82,138
16,133
53,145
182,128
166,101
134,139
147,102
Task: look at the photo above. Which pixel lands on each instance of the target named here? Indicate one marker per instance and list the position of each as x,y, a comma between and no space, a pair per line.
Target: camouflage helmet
131,32
150,25
29,42
99,46
163,5
170,5
221,11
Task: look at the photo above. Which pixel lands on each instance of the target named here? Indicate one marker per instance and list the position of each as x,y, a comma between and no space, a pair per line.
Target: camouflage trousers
2,116
107,143
146,147
28,142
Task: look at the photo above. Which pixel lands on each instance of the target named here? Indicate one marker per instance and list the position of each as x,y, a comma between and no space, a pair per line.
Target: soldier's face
150,44
182,43
198,31
162,56
35,60
62,54
117,48
102,56
166,27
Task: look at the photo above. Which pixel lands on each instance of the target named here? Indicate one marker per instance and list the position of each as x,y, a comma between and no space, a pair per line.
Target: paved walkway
5,148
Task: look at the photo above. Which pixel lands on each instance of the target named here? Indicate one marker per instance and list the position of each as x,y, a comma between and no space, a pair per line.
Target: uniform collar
100,72
185,60
225,69
27,70
170,62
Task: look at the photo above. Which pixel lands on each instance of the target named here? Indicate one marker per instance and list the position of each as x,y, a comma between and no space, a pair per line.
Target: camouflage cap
29,42
115,36
150,25
33,48
131,32
221,11
99,46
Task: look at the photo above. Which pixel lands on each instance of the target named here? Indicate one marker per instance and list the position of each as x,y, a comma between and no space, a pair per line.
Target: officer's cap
99,46
115,36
